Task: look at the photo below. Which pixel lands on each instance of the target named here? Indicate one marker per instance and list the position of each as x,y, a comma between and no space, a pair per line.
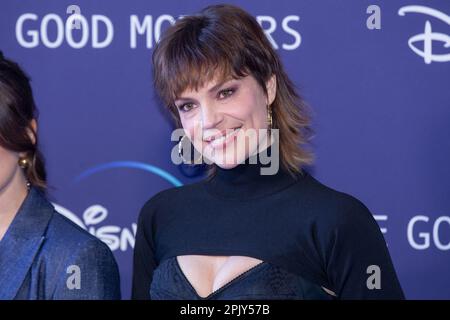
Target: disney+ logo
428,36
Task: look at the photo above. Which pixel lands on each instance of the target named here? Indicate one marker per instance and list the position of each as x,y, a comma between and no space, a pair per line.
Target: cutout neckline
221,288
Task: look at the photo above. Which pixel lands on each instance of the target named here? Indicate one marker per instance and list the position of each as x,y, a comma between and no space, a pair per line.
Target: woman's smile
223,140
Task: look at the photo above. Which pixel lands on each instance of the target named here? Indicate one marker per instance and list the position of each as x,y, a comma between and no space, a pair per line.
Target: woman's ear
271,86
32,130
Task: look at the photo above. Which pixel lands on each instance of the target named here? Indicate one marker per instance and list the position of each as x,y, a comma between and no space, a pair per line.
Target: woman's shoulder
58,231
69,234
332,206
171,198
348,241
68,248
68,244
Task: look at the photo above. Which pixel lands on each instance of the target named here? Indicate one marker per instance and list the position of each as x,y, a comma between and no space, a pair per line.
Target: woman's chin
225,162
226,166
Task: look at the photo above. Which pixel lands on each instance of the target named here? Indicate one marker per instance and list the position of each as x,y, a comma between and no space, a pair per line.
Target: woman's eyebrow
217,86
210,90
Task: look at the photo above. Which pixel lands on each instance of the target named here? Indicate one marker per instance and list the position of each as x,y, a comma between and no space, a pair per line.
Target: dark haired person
239,233
43,255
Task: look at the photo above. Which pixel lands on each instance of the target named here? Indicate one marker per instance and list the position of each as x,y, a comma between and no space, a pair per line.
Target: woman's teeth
222,139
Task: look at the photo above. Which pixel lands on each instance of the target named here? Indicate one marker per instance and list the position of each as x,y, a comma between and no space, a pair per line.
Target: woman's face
9,167
227,122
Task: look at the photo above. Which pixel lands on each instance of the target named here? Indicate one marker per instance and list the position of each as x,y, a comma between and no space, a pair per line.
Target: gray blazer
43,255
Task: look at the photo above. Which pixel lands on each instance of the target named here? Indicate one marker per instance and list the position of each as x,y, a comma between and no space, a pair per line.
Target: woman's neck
248,181
12,196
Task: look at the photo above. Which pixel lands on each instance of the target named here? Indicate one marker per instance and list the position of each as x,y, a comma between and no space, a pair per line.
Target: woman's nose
210,117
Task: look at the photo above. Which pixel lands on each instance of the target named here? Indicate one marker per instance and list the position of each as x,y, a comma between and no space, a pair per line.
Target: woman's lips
223,140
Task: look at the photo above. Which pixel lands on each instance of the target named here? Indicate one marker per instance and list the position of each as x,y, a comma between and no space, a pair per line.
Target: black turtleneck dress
309,237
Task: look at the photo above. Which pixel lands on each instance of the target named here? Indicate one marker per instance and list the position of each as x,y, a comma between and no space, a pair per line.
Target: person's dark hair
228,41
17,110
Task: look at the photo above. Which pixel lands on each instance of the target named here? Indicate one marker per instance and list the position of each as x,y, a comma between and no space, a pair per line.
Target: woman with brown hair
43,255
247,231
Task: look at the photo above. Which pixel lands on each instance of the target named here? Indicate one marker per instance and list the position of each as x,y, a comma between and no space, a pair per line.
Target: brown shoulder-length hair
17,110
225,41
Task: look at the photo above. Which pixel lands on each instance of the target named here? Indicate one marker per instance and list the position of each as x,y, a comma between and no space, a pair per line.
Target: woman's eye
185,107
222,95
228,92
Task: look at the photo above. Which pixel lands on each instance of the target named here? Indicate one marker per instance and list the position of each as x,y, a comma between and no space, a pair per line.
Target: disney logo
114,236
428,36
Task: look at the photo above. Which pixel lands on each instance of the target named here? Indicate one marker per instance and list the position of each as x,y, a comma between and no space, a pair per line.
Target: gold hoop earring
23,163
180,152
269,117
